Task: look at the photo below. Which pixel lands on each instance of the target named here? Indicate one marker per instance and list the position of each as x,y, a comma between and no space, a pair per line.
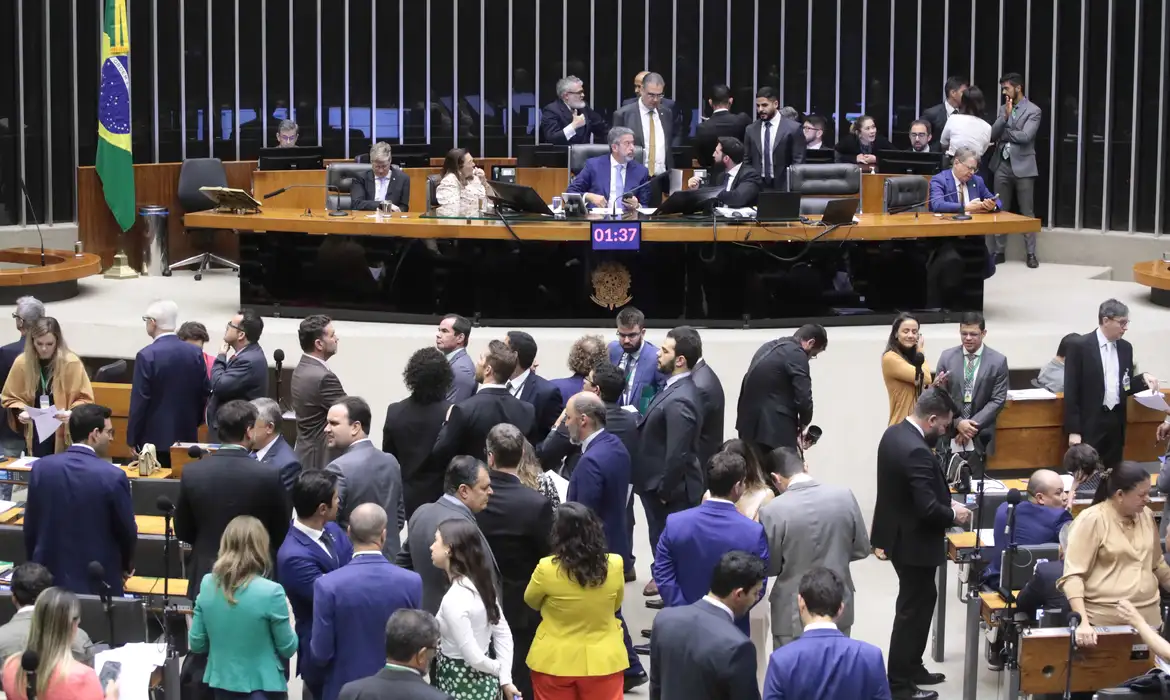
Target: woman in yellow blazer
578,651
47,374
903,383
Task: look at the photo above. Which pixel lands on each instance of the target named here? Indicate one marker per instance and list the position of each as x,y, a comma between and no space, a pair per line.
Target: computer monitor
820,156
411,155
518,198
908,162
840,212
1015,571
129,620
542,156
777,206
688,201
292,158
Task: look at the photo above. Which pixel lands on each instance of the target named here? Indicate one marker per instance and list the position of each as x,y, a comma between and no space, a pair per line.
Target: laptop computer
518,198
1015,572
688,201
840,211
778,206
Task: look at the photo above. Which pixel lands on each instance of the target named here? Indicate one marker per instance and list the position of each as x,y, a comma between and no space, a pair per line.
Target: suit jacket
826,664
666,464
697,653
849,147
392,684
8,355
990,391
777,383
693,542
216,489
721,123
944,192
569,386
299,563
745,189
594,178
168,394
1041,592
14,638
409,434
281,456
810,525
646,374
1034,524
364,189
788,146
1019,130
556,115
913,506
352,605
937,116
601,481
712,407
546,401
630,116
932,147
79,510
366,474
415,554
467,426
557,447
1084,385
463,385
244,377
315,389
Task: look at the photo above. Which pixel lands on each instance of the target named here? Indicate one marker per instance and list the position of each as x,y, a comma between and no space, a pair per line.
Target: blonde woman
59,675
532,475
241,619
46,374
757,488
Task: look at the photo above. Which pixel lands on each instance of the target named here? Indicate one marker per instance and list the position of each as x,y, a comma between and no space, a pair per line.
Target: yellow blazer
71,388
579,634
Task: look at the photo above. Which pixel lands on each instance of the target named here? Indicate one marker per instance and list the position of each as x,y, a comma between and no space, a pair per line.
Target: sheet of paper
562,485
648,211
960,449
1152,399
22,462
988,486
138,662
45,419
987,537
1030,395
736,213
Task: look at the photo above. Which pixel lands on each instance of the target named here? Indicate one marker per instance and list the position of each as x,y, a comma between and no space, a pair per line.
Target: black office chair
12,544
432,190
341,176
149,560
196,173
578,154
144,493
115,372
821,183
906,193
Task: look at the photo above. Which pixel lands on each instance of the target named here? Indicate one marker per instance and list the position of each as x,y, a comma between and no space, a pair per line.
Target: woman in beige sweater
903,383
1113,555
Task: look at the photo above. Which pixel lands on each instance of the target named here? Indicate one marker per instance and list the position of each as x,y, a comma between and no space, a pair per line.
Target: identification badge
1125,380
43,401
967,397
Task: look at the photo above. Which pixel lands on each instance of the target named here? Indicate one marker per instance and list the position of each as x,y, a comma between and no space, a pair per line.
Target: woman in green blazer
241,619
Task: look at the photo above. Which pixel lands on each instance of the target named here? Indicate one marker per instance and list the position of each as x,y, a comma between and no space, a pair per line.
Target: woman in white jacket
967,127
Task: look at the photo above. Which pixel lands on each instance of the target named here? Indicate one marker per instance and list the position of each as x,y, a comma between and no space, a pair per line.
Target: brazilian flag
115,161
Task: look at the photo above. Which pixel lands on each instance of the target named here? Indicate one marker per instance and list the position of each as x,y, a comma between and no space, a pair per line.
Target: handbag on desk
147,462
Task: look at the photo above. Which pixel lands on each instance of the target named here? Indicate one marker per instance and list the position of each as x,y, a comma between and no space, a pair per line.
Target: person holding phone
607,179
904,367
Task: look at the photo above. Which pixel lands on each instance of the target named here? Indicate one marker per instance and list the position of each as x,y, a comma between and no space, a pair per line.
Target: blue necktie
768,149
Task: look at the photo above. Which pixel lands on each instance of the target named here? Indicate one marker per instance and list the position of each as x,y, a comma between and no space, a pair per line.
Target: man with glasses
243,375
382,185
959,189
977,380
814,132
568,120
653,131
412,640
287,133
1098,377
920,138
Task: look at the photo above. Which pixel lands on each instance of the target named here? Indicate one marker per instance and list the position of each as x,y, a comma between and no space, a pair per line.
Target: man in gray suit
315,388
653,129
28,581
467,488
451,340
1014,159
365,474
809,524
977,380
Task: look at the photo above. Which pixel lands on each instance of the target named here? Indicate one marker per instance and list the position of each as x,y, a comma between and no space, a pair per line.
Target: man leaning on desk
382,183
740,182
605,179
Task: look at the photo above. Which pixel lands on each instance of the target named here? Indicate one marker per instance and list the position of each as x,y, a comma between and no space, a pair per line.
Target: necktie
767,149
619,176
653,138
627,366
968,384
511,388
327,540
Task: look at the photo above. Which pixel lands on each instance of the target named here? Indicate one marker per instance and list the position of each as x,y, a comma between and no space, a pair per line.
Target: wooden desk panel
149,585
265,181
1044,660
873,191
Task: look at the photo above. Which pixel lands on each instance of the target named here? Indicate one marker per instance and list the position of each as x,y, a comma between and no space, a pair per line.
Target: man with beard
568,119
772,143
912,512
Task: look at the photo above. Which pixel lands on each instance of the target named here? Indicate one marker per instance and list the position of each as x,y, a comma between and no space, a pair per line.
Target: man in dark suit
315,545
741,184
315,388
977,380
530,387
242,376
468,489
921,139
412,640
353,604
517,524
79,510
28,311
667,473
605,179
222,485
696,651
1098,377
824,663
469,421
169,390
269,445
653,129
451,340
680,116
772,143
558,450
382,183
938,114
721,123
413,424
911,514
775,397
711,405
568,119
637,358
365,474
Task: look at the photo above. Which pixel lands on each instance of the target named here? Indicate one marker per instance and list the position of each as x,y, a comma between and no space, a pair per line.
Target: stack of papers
45,420
1030,395
1152,399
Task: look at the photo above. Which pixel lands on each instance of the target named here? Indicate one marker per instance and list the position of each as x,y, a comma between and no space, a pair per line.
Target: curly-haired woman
578,651
586,352
413,423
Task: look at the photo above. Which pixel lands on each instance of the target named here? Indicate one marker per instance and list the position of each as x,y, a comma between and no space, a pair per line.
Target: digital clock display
616,235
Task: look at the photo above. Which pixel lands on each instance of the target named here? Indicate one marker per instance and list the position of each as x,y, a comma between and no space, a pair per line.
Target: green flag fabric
115,161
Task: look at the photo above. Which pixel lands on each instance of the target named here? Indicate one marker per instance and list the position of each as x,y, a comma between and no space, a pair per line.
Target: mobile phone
111,670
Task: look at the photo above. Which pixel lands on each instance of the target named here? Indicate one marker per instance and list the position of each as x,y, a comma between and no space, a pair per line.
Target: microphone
35,220
278,355
1013,500
1074,621
907,207
195,452
164,505
29,661
286,188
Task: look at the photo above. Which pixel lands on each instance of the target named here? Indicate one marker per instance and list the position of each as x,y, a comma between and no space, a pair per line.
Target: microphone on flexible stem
918,360
195,452
278,355
167,508
1074,621
29,661
330,188
97,578
35,220
1013,500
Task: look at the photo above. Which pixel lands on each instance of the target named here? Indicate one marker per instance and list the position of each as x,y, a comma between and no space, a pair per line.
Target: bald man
1038,519
352,604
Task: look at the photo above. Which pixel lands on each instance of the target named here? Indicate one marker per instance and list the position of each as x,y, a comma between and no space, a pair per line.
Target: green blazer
245,643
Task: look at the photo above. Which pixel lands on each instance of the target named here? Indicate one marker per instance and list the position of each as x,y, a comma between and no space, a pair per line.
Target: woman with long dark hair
578,651
904,367
1113,554
968,126
1084,464
470,619
758,490
463,186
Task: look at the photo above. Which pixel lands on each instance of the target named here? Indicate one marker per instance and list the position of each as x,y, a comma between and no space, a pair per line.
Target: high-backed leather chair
906,193
578,154
432,190
341,176
821,182
197,173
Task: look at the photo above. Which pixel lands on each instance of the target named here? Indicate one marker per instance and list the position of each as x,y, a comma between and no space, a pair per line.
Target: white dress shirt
963,367
660,144
465,633
675,377
516,384
570,131
814,145
586,441
318,359
381,185
312,534
719,604
802,477
731,176
264,450
775,121
820,626
1110,370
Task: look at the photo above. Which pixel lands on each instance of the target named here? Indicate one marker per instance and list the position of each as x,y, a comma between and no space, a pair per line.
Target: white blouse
450,192
464,632
966,131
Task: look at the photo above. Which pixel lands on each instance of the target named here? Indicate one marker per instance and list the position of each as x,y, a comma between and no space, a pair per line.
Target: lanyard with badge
970,369
43,394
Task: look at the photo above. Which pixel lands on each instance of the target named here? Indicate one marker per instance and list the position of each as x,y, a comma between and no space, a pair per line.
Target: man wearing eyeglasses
920,138
977,380
959,189
243,375
383,185
814,132
568,120
653,131
287,133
